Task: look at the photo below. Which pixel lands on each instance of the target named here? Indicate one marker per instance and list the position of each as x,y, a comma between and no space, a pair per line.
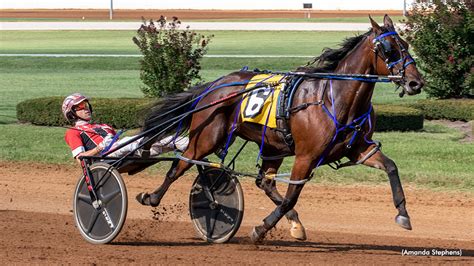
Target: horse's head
392,57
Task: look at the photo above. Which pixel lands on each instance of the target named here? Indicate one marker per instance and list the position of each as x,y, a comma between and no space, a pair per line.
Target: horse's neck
354,97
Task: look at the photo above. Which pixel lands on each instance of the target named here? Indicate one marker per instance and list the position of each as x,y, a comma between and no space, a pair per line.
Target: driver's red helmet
69,103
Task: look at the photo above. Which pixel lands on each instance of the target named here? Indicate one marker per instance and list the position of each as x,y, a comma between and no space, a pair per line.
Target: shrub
397,118
119,113
128,113
441,35
454,109
171,57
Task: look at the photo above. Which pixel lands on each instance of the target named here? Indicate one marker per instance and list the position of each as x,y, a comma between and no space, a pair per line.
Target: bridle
382,48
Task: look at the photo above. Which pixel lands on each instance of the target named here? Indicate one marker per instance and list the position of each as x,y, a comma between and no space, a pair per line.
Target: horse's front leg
380,161
297,230
301,170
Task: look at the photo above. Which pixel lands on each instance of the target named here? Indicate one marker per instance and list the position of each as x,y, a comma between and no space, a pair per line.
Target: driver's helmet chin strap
81,122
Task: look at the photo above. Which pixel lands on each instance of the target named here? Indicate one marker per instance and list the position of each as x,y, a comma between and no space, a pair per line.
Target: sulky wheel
216,205
100,221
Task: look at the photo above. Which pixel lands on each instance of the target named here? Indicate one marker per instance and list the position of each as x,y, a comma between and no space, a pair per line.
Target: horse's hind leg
380,161
297,230
199,147
153,199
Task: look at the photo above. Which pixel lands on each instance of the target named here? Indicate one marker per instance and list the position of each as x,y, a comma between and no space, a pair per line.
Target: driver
90,139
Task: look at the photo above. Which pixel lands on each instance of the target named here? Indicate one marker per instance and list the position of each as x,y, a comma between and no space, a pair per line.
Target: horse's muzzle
413,86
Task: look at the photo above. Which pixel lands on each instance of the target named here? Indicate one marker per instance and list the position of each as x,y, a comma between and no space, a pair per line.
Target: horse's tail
162,118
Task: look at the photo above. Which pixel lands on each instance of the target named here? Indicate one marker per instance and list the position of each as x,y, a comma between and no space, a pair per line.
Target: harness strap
304,106
114,139
381,36
404,59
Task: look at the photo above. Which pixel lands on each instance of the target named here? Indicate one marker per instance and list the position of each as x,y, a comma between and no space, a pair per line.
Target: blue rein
114,139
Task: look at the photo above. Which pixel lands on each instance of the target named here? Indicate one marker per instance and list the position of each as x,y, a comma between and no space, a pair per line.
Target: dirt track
184,14
345,224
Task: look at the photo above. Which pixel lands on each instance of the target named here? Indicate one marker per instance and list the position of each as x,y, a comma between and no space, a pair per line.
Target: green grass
120,42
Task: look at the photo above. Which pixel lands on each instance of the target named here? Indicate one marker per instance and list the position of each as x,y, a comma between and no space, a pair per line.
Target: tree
442,37
171,57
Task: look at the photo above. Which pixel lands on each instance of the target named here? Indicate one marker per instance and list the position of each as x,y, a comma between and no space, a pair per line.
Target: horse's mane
330,58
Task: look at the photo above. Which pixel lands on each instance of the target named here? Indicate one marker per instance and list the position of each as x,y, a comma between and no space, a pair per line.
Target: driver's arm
93,152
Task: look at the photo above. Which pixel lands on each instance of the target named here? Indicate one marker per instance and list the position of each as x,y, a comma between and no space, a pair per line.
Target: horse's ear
375,27
387,22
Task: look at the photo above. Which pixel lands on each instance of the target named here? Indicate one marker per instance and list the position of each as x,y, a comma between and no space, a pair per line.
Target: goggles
81,106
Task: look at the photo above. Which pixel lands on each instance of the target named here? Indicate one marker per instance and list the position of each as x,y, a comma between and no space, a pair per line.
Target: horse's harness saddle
270,104
287,86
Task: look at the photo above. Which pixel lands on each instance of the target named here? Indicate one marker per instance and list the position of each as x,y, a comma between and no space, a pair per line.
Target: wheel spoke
107,198
211,222
201,204
103,179
84,198
92,221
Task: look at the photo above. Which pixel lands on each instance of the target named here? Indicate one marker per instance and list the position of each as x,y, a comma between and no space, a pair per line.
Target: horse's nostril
414,85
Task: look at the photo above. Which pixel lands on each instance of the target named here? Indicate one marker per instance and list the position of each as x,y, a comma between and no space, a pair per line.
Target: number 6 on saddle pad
261,104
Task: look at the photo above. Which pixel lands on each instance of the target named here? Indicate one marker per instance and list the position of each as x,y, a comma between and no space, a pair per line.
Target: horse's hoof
298,232
145,199
258,234
403,221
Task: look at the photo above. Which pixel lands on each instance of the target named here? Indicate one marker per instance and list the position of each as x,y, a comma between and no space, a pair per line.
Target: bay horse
321,132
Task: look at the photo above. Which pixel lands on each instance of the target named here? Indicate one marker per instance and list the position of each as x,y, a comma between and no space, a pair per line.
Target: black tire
216,222
91,222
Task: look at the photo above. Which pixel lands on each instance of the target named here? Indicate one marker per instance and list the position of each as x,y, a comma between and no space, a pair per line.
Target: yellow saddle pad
261,103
